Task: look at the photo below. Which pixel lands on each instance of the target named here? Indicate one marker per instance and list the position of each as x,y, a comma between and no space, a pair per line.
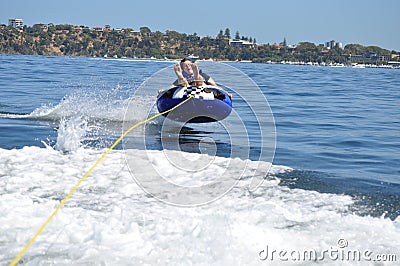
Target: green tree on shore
228,33
66,39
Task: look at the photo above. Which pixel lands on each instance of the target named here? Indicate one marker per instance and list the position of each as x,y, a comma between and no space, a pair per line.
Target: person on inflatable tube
188,73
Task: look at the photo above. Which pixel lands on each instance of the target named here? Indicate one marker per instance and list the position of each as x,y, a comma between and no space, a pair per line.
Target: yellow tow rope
23,251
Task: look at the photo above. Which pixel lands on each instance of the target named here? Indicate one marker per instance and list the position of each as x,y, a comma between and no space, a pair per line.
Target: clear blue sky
365,22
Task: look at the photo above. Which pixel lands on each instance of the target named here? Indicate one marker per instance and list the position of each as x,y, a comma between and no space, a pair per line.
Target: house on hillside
41,26
371,56
78,29
332,44
16,22
97,29
240,43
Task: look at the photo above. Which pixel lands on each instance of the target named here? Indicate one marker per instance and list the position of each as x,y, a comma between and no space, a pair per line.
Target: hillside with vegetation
82,41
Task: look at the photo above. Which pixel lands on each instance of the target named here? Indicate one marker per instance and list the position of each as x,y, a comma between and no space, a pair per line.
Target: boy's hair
185,59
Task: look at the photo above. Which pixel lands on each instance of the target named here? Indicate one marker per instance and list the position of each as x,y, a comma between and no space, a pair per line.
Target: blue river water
338,128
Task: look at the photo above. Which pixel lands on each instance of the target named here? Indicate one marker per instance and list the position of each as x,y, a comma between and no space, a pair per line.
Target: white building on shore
240,43
15,22
332,44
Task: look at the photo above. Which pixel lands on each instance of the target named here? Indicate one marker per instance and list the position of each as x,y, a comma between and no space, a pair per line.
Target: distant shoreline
69,40
144,59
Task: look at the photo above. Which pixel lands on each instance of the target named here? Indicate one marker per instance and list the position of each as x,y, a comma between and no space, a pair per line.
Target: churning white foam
96,103
85,116
110,221
71,133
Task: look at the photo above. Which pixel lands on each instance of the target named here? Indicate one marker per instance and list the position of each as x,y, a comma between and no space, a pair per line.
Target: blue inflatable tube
209,104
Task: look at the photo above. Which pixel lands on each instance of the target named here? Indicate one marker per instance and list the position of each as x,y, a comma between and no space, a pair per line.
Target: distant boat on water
192,57
356,65
337,65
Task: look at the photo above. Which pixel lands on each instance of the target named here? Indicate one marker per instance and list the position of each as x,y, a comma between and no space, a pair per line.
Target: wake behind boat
209,103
